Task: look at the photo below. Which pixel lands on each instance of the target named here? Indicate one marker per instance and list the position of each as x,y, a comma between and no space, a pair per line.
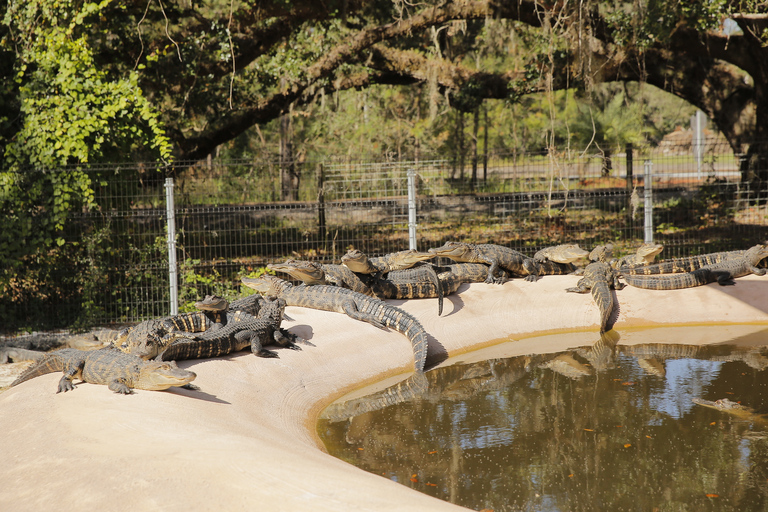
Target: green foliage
71,112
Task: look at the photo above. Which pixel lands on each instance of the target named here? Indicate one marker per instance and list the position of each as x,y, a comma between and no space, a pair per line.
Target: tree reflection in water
604,427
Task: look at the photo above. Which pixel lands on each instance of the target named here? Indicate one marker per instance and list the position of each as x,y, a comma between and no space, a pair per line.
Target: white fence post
171,222
648,200
411,209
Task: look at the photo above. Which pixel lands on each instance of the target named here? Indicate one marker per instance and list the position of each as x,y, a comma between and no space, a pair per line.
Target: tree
213,70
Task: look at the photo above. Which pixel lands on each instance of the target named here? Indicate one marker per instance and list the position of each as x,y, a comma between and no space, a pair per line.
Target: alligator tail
601,293
51,363
673,282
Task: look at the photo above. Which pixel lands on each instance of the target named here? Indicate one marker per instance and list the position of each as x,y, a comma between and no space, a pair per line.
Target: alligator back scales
360,307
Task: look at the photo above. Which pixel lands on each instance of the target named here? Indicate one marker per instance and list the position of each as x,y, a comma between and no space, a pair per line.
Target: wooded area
171,82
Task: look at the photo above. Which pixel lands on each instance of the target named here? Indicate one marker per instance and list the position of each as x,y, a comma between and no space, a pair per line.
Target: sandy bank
246,440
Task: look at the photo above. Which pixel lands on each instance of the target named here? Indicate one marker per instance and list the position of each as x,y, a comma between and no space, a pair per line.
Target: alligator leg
120,386
284,341
74,370
350,308
256,347
581,287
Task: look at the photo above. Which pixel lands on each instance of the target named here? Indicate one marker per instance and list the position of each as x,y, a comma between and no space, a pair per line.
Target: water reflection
600,427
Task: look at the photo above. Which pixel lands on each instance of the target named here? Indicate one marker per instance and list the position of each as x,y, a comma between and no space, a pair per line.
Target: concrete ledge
247,440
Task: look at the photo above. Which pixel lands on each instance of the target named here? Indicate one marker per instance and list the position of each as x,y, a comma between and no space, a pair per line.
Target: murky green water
598,428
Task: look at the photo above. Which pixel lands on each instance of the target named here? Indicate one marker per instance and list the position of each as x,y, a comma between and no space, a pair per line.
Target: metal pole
411,209
698,142
172,276
648,200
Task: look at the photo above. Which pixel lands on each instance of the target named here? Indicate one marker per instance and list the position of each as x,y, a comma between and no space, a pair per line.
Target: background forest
152,86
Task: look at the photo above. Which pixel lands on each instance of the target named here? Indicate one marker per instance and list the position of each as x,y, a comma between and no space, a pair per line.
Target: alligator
600,277
680,265
733,408
312,273
724,273
563,253
602,253
241,331
212,315
496,256
119,371
362,264
355,305
644,255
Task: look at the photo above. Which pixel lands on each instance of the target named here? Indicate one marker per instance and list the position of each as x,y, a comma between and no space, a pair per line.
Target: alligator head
457,251
566,253
756,253
357,261
406,259
602,253
159,375
212,303
648,251
267,285
308,272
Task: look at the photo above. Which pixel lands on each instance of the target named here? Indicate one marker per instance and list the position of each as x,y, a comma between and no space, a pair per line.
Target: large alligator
241,331
495,256
355,305
723,273
359,262
680,265
313,273
600,277
119,371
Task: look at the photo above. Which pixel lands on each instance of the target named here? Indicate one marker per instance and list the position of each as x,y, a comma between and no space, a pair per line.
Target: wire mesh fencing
233,218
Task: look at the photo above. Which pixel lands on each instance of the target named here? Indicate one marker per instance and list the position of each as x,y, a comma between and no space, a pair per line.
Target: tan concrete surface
247,441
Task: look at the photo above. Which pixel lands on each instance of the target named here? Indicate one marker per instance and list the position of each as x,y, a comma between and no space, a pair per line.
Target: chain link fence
232,218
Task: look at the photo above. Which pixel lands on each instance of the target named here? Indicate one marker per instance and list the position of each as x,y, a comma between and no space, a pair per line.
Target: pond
602,426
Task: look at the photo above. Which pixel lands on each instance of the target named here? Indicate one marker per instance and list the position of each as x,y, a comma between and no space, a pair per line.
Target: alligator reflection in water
604,427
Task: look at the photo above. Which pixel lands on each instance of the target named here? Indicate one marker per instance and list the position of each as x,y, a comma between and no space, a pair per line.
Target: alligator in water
734,409
497,257
600,278
723,272
119,371
355,305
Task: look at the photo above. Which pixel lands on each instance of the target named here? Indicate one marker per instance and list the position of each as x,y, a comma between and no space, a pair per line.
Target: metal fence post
171,222
648,200
411,209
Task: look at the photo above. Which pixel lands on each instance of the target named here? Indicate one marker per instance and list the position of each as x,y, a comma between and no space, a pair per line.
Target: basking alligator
496,256
600,277
312,273
643,256
242,330
563,253
362,264
724,273
119,371
355,305
680,265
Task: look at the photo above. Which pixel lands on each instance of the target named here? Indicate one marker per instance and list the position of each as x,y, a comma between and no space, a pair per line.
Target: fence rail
228,219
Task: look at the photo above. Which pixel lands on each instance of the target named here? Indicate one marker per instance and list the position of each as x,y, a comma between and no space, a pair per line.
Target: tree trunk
289,178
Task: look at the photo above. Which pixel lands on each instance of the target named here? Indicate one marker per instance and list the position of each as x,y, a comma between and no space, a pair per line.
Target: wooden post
630,183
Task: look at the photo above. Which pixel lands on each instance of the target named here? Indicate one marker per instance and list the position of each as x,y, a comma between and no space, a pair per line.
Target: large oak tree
214,69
